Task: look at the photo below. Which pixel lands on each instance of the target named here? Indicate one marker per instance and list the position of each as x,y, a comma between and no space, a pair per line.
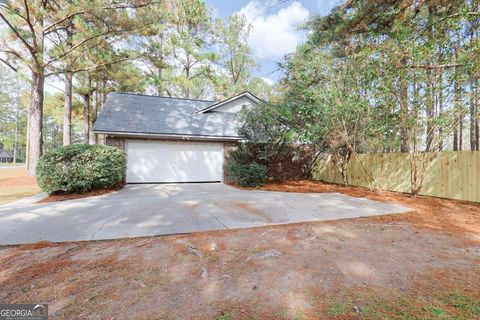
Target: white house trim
169,136
245,94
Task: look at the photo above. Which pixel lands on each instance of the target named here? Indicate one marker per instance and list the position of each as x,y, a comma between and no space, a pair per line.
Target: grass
372,306
15,184
448,306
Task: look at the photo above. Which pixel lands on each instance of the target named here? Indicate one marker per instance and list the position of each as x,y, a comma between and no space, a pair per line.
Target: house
171,139
5,157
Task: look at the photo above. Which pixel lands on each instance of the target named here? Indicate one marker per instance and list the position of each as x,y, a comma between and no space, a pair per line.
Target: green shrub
252,175
242,155
80,168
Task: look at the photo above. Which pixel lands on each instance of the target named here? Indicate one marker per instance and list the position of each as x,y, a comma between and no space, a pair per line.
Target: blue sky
274,25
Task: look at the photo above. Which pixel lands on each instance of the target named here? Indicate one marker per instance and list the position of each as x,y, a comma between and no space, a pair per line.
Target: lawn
419,265
15,183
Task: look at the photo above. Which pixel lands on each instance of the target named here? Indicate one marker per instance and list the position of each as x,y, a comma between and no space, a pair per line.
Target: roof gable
230,101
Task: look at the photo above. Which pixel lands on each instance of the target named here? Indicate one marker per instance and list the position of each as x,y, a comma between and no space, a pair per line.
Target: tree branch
16,54
27,45
27,11
432,67
12,11
92,68
8,64
73,14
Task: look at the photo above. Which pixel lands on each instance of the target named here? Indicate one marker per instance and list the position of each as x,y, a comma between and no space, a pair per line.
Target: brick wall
118,142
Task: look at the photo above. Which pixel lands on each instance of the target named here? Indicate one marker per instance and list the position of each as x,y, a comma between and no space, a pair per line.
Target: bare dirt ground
15,183
424,264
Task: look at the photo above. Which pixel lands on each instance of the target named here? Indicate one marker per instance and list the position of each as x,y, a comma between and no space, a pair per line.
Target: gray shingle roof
5,154
142,114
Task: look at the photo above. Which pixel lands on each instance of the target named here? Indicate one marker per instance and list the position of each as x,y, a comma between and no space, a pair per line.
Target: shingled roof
136,114
5,154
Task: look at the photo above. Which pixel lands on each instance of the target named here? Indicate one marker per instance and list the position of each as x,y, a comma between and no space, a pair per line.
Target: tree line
380,77
170,48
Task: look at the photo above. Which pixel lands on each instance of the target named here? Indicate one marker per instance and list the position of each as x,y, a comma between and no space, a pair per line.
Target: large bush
251,175
80,167
241,169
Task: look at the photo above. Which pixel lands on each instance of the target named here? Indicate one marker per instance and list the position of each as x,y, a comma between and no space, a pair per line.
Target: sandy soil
15,183
423,264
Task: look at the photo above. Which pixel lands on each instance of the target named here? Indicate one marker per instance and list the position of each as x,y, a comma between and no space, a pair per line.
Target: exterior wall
118,142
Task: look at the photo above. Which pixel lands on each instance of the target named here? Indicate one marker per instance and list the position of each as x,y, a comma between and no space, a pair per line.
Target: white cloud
274,35
268,80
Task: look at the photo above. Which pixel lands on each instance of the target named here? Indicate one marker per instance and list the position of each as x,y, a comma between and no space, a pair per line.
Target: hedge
80,168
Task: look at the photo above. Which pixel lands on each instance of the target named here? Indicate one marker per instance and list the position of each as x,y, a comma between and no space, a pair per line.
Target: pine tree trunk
67,117
15,143
430,113
456,99
96,104
160,82
460,135
477,115
17,123
404,112
455,139
440,110
473,142
86,115
35,117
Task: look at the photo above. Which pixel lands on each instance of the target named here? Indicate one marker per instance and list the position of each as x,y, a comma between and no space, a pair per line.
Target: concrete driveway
145,210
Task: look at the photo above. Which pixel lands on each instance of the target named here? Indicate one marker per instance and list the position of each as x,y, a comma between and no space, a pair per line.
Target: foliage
235,55
37,37
252,175
386,77
80,168
242,169
268,123
169,48
13,96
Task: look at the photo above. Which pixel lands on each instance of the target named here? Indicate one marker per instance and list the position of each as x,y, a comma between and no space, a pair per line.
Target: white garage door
151,161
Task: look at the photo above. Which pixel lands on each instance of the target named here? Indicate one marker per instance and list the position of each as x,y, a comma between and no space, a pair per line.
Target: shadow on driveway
146,210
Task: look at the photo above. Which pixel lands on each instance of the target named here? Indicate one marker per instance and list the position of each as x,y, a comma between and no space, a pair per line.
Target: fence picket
453,175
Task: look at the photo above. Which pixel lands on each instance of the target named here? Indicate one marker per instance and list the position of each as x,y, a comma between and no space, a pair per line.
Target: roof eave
168,136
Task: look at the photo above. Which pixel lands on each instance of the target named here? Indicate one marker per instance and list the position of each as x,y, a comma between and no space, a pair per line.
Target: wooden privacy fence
453,175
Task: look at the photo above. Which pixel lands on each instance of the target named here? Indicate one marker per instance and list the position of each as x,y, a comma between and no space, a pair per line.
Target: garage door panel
174,162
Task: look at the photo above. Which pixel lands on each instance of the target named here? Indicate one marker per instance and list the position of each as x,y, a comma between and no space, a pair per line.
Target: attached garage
152,161
169,140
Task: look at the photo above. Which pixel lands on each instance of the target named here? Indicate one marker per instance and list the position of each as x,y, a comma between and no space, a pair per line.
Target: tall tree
33,42
235,56
411,70
191,41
